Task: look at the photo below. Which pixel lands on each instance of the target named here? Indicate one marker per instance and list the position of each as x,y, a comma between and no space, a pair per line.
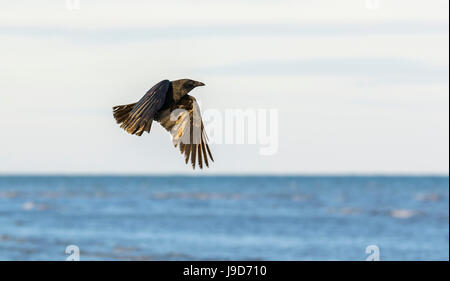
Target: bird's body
169,104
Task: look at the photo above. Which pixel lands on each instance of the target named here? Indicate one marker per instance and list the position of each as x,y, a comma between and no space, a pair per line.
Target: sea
244,218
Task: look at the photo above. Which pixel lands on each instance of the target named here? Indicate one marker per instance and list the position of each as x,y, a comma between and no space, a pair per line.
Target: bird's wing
140,115
184,122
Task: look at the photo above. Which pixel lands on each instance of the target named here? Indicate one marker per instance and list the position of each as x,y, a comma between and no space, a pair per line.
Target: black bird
169,104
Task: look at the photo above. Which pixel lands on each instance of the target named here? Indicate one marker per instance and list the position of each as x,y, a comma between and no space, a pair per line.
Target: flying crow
169,104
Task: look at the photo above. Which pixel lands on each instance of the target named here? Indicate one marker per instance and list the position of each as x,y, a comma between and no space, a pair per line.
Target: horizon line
348,174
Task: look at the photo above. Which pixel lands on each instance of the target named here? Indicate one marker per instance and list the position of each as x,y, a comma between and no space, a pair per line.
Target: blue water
224,218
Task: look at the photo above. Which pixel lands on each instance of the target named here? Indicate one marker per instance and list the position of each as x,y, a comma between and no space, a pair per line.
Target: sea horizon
306,175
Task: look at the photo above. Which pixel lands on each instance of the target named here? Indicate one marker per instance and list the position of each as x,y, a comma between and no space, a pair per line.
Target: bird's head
183,86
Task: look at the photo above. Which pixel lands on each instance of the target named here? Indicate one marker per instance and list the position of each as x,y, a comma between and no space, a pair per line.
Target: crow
169,104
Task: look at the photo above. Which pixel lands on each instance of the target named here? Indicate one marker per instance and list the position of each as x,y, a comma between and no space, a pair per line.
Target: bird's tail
121,112
122,115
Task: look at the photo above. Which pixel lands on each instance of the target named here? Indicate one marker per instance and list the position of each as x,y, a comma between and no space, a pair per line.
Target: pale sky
360,88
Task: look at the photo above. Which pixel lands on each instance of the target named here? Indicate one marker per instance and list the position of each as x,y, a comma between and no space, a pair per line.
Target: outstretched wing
184,122
137,118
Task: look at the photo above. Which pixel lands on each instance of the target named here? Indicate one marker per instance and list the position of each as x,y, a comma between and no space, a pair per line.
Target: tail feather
133,126
121,112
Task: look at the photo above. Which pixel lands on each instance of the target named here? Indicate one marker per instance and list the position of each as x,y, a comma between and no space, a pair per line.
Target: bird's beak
198,84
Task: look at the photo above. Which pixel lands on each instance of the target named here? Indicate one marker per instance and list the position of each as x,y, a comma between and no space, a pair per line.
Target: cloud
392,70
140,13
143,34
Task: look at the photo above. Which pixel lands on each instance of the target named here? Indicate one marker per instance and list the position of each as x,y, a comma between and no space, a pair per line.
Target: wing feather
187,152
194,151
204,154
200,160
183,121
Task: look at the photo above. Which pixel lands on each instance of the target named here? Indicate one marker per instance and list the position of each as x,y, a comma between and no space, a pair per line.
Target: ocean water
224,218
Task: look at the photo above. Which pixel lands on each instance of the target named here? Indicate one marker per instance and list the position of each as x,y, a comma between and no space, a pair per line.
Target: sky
358,86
